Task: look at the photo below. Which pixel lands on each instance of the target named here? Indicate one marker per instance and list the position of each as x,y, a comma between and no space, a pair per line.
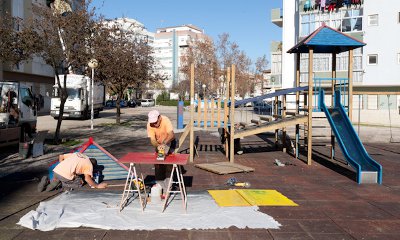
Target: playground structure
338,114
210,114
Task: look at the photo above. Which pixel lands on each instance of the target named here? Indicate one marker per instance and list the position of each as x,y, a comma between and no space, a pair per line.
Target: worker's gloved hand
102,185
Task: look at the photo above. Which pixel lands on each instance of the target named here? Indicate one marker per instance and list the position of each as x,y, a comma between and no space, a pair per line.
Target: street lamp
93,63
204,90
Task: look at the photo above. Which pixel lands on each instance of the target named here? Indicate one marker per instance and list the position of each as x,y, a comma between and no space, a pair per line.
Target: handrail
270,95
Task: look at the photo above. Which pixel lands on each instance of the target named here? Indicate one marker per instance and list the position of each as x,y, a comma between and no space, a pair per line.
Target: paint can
156,192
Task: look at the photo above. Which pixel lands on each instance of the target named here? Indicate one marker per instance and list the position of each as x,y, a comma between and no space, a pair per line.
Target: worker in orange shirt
161,134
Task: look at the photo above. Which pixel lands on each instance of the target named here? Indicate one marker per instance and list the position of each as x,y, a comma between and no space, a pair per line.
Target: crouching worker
73,170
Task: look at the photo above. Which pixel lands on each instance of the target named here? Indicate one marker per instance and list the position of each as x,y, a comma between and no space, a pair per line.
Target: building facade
376,67
33,73
170,44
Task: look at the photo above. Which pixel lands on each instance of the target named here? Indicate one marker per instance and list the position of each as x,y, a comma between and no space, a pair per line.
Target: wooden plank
191,138
226,110
350,77
232,116
219,113
268,119
258,122
310,104
272,126
291,113
183,137
212,108
205,113
224,167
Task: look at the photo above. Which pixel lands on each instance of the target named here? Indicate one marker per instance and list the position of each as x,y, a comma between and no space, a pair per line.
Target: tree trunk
63,98
118,119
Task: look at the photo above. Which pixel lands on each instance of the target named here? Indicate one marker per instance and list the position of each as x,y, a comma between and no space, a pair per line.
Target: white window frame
370,20
371,55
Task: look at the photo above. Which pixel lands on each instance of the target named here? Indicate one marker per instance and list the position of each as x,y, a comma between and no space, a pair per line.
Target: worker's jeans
66,183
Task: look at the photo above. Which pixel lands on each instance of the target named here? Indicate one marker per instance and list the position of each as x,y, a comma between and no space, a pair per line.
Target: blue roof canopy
326,40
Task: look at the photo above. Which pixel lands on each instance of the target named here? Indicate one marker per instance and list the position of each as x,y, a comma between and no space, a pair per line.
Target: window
372,59
345,20
373,20
398,58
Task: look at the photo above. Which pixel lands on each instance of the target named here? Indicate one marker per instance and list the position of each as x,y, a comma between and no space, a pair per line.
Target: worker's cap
153,116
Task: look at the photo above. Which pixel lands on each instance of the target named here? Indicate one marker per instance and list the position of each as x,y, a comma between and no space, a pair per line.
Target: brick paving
331,204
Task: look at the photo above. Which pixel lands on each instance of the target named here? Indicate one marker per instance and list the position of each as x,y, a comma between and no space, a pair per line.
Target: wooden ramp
224,167
268,126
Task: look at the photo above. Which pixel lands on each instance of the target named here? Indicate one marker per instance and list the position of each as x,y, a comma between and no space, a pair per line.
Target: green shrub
172,103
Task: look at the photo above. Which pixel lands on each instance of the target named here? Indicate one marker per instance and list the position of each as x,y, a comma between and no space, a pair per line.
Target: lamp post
204,90
93,63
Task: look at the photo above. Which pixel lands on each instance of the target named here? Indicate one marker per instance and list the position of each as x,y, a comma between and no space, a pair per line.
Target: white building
376,66
170,44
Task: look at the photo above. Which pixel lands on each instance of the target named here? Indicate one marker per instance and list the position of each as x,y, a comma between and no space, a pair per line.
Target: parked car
113,103
132,103
147,102
262,107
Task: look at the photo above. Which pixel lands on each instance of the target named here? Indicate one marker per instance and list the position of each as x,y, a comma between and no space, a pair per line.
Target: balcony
276,17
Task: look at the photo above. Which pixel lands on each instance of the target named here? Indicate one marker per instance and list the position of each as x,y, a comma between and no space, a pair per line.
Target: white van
147,102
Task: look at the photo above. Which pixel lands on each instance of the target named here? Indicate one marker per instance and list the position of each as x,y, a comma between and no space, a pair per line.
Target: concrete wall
383,40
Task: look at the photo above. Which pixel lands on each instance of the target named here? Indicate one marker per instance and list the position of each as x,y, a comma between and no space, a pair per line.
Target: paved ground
332,204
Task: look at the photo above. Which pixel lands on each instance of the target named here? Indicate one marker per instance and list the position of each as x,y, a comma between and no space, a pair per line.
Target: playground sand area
331,203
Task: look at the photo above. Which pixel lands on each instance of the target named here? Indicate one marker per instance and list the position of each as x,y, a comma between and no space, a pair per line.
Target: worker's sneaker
42,184
240,152
53,185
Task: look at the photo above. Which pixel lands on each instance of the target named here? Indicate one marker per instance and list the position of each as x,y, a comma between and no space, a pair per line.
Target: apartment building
376,76
170,44
34,73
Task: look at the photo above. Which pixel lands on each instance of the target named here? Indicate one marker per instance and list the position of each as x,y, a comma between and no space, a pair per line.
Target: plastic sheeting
101,210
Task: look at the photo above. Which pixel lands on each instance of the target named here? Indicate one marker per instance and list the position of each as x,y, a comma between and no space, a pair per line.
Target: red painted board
151,158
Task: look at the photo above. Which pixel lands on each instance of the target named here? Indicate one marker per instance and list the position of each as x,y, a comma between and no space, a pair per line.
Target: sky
247,22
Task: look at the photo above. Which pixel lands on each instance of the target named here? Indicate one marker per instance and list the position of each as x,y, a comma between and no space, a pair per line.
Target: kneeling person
73,170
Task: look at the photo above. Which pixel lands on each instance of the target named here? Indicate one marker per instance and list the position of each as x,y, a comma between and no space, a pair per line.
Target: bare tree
228,54
201,52
64,36
261,67
125,60
17,42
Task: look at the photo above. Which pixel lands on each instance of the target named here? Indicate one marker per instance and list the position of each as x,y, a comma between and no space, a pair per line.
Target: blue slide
368,170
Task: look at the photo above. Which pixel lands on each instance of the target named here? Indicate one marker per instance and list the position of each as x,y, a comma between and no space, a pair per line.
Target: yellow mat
250,197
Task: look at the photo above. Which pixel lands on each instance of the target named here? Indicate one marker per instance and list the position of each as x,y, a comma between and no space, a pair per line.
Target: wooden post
283,117
191,140
219,113
310,104
212,112
226,111
333,101
296,153
205,112
350,77
276,113
198,110
232,116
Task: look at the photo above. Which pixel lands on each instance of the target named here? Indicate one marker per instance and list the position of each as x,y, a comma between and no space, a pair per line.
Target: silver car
147,102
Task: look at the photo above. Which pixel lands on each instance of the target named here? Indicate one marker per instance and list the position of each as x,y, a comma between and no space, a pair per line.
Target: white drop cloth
101,210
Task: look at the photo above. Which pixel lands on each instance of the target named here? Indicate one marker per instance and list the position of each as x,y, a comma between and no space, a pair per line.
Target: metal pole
92,111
